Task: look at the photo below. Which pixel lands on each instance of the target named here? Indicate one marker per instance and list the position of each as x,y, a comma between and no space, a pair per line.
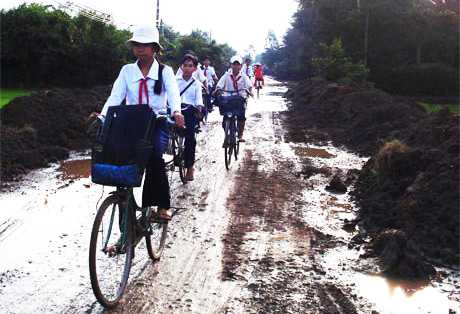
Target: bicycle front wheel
111,251
155,237
180,157
228,146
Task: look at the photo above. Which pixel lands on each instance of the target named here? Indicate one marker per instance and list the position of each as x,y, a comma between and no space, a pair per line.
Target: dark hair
189,52
156,47
247,59
207,57
189,57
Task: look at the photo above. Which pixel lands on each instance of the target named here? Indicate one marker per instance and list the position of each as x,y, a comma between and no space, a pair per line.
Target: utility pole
158,15
366,36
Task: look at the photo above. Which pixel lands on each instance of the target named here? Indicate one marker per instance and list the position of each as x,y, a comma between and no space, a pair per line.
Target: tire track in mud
268,248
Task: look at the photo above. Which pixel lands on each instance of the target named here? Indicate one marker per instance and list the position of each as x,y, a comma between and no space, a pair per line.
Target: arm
173,93
117,95
248,85
198,96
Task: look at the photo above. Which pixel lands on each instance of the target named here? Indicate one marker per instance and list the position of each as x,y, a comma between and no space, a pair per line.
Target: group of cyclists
148,81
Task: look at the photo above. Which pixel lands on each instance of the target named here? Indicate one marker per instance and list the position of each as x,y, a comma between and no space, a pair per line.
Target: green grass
436,107
6,95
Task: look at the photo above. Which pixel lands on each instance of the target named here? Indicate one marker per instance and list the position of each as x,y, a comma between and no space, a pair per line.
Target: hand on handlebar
179,118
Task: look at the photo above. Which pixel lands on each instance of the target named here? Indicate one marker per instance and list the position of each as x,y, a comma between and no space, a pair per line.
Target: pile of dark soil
409,189
43,127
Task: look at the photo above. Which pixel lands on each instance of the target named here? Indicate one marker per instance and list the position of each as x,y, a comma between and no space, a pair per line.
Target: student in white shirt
247,68
236,80
211,76
137,83
192,104
197,74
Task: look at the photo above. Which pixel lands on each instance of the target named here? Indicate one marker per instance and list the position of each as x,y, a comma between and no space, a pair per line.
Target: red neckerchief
247,70
235,84
143,84
205,69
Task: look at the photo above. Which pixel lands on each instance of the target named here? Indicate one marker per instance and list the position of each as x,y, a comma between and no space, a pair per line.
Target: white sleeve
247,82
171,89
202,77
198,96
221,83
118,92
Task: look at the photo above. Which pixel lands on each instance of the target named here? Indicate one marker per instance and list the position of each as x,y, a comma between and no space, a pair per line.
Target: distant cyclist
247,68
211,76
258,74
236,80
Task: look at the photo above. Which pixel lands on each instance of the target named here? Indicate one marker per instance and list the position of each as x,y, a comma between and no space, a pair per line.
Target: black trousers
156,185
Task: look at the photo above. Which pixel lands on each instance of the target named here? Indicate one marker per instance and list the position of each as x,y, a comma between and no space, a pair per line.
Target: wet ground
265,236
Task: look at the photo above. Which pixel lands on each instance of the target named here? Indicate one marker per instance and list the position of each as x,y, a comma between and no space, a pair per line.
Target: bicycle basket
231,104
122,150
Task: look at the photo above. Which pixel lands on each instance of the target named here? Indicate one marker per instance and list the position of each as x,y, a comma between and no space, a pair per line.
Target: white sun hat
236,58
145,34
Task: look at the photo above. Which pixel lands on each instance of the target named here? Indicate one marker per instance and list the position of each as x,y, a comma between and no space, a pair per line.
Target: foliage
402,36
201,44
432,108
336,67
43,46
6,95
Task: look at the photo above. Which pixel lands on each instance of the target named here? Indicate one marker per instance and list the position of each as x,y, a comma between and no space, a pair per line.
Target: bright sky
239,23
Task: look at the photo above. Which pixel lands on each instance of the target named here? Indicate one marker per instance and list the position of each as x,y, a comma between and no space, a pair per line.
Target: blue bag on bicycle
123,146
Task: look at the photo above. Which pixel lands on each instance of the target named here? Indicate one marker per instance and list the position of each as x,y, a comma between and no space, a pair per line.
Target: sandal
164,214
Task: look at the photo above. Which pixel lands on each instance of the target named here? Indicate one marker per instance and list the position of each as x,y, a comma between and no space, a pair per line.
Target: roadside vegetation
409,47
437,107
6,95
59,50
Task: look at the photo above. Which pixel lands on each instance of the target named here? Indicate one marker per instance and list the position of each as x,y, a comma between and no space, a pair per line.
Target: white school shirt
250,72
226,82
127,87
210,72
192,96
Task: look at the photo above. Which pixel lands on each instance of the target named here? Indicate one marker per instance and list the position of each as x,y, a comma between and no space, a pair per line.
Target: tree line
43,46
410,47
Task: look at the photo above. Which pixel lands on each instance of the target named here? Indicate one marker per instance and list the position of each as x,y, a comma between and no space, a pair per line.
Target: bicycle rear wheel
155,239
111,251
228,146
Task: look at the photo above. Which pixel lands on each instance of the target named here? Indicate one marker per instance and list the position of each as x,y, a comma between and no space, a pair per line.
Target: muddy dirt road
265,236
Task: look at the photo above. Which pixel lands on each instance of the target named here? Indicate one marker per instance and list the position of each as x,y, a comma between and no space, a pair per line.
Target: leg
241,123
156,186
190,142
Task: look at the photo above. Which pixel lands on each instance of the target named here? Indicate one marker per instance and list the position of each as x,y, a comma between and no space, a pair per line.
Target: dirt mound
411,183
43,127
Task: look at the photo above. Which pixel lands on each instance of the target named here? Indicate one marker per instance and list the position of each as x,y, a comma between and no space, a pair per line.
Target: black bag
124,146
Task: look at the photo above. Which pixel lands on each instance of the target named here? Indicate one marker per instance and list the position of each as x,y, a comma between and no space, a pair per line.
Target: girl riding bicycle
235,80
192,104
147,81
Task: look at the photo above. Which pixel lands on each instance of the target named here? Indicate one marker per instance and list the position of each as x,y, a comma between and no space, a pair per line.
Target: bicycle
231,106
120,224
204,95
258,86
176,146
